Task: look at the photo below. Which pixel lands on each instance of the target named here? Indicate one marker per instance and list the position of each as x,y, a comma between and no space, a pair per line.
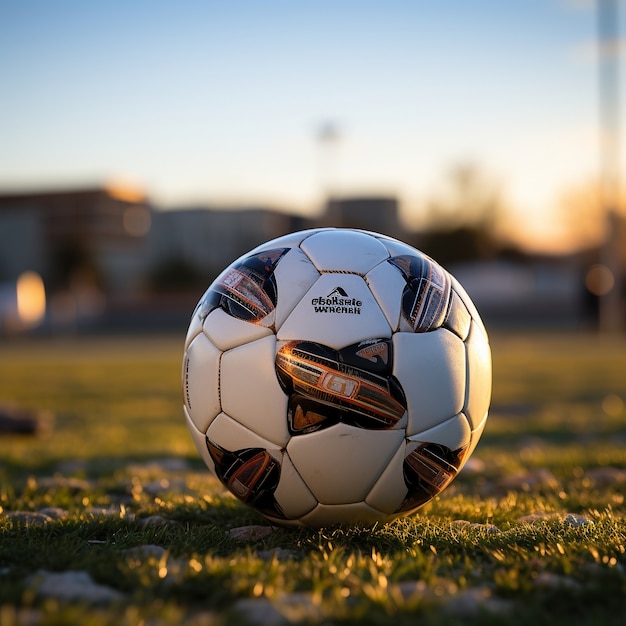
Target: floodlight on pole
328,136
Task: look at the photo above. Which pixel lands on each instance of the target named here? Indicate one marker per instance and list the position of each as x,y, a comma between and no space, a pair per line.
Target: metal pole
611,305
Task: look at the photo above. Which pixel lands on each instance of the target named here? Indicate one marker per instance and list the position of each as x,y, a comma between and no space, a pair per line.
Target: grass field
110,517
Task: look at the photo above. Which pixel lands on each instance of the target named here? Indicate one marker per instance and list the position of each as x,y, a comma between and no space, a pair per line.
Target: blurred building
86,244
87,234
107,257
207,240
109,260
379,214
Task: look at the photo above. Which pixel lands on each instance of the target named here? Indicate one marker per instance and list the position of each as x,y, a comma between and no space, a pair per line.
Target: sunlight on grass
533,531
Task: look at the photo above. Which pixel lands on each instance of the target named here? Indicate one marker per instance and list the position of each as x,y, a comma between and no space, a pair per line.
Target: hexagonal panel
432,371
389,491
387,284
478,375
227,332
292,494
454,433
199,439
338,310
201,394
340,464
250,392
231,435
295,274
344,250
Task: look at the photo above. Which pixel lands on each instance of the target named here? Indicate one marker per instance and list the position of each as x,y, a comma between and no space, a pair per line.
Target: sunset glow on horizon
224,103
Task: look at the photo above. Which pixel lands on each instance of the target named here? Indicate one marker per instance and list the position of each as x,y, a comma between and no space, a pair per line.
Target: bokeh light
31,299
599,279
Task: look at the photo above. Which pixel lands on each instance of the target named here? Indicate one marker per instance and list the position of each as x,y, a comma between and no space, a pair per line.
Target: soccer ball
335,376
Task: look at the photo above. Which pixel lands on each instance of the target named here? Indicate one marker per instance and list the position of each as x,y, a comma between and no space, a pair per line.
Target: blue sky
221,101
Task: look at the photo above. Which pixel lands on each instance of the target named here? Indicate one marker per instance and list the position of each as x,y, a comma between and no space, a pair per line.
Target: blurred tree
71,260
464,218
584,214
176,274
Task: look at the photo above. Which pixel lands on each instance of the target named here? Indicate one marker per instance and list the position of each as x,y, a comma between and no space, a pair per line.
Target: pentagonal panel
387,284
426,295
357,513
338,310
246,290
248,465
428,470
227,332
340,464
344,250
199,439
250,392
389,491
431,369
453,433
295,274
292,494
478,375
201,381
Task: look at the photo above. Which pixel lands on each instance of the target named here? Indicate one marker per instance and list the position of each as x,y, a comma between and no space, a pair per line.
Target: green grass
534,534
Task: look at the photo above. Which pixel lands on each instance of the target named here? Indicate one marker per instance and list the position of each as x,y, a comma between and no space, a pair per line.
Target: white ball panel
397,248
291,240
390,489
292,494
195,328
476,434
250,392
458,318
478,375
227,332
200,442
327,515
343,326
230,435
344,250
279,521
294,274
432,371
341,473
471,307
387,285
201,381
341,463
454,433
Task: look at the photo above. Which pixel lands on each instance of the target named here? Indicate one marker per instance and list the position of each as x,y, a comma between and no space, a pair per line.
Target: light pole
611,318
328,136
